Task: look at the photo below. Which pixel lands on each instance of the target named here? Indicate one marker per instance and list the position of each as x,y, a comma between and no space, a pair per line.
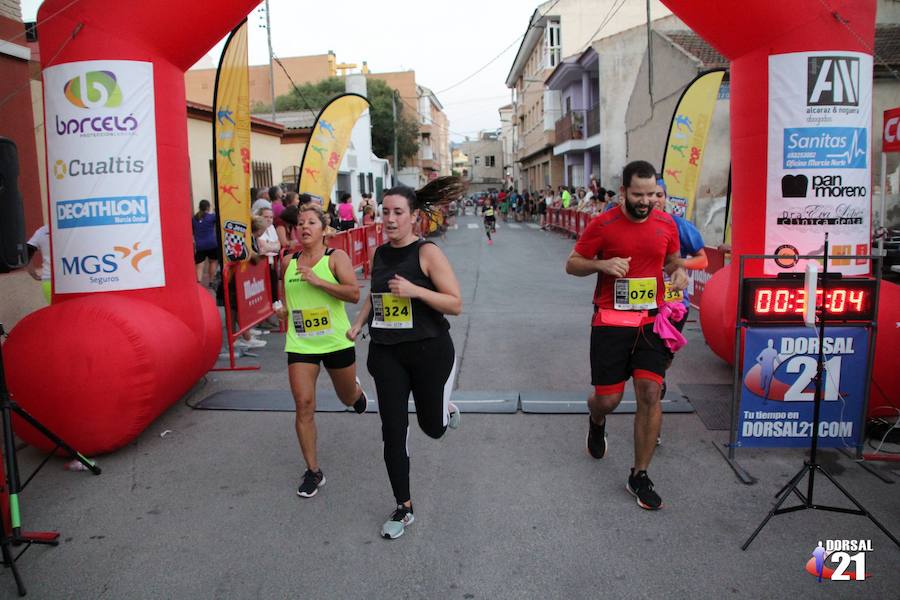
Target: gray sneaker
453,423
397,524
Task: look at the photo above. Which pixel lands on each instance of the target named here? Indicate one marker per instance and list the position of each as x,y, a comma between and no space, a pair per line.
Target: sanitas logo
825,148
91,212
114,165
94,89
832,81
101,267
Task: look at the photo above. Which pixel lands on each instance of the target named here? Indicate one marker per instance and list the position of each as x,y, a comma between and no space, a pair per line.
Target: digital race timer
768,300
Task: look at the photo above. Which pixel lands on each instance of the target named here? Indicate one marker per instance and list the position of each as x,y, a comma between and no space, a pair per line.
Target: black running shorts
616,352
339,359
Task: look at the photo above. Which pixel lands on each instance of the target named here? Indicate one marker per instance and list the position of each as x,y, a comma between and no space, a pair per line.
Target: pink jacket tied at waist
663,327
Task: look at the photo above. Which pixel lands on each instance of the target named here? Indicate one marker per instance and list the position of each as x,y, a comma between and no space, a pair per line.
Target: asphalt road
508,506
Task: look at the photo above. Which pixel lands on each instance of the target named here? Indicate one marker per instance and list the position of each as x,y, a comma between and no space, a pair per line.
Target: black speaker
12,215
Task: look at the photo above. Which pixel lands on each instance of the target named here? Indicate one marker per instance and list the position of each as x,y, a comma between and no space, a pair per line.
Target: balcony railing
578,125
570,127
593,121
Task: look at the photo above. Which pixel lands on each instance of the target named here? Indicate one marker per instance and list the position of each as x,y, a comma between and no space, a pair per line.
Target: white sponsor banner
819,163
104,188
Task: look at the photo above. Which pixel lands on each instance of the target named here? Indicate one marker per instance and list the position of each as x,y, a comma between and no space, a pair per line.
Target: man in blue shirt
691,244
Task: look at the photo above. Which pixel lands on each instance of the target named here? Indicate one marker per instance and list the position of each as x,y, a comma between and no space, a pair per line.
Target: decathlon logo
832,81
94,89
825,148
91,212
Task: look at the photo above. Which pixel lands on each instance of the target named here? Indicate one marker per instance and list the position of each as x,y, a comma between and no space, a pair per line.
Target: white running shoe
454,417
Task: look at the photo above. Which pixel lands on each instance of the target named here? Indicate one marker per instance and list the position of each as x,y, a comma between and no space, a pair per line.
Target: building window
477,160
552,45
489,161
262,174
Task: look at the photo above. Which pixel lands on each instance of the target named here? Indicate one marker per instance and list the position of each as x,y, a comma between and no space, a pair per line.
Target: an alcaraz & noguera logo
91,212
832,81
94,89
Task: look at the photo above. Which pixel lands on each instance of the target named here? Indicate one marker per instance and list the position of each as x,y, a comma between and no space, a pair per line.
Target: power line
27,84
502,52
15,37
840,19
294,85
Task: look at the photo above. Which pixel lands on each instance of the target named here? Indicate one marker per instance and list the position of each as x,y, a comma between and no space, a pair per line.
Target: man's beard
633,210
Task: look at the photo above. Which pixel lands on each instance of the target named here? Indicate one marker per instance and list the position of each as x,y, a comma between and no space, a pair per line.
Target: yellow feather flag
327,144
686,144
231,147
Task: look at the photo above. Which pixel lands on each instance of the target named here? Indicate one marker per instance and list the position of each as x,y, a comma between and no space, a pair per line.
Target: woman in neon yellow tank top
317,283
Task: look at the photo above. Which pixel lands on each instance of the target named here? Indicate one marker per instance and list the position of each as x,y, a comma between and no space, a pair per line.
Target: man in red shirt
628,248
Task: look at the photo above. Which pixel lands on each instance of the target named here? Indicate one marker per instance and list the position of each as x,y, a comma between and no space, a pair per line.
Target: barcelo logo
94,89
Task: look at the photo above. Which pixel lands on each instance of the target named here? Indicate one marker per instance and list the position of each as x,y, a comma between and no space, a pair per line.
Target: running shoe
397,524
490,242
251,343
362,402
596,439
312,481
453,423
640,486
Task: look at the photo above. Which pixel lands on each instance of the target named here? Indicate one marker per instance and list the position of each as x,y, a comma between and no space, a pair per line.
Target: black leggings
426,369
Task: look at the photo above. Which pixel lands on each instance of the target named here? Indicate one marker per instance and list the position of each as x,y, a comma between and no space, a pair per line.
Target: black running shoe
640,486
362,402
596,439
312,481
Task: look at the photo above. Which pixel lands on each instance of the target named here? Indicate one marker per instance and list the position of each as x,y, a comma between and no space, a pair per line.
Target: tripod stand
11,533
811,465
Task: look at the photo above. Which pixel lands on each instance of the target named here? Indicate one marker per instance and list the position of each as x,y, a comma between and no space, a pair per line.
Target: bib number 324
391,312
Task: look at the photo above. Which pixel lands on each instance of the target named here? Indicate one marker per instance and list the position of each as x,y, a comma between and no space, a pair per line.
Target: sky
443,42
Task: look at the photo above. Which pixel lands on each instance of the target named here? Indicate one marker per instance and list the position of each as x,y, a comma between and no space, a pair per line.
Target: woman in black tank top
413,287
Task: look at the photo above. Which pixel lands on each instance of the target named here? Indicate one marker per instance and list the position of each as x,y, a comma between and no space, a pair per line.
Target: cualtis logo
94,89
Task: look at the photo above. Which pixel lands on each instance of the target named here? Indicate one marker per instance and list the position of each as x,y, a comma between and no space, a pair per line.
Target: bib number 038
312,321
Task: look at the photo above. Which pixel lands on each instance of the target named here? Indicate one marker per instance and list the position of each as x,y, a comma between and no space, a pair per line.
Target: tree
314,96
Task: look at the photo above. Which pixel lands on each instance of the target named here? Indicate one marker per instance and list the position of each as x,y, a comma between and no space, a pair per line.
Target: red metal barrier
253,292
568,220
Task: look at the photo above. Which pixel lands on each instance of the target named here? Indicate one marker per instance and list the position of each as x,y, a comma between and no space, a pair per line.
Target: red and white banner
890,141
254,296
104,188
819,167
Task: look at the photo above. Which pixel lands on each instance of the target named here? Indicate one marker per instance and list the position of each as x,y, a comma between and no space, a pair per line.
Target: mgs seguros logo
93,91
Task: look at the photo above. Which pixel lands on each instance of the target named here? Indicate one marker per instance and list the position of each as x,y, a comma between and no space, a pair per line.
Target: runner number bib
634,293
312,321
391,312
673,295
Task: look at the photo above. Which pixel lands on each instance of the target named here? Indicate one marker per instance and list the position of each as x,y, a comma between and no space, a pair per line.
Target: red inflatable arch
98,368
747,33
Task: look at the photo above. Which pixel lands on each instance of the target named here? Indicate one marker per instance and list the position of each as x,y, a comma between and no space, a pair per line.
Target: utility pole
271,69
396,155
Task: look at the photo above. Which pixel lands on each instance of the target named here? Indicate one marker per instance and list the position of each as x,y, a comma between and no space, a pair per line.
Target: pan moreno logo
94,89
